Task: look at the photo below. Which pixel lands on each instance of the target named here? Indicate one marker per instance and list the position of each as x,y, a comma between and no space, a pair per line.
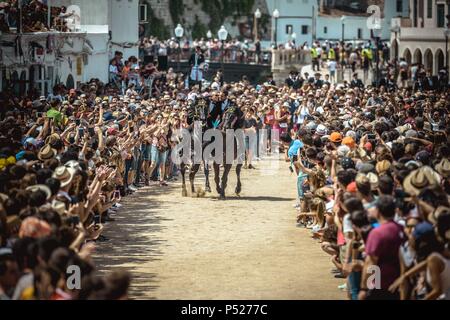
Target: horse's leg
192,174
183,177
226,172
217,177
206,169
238,174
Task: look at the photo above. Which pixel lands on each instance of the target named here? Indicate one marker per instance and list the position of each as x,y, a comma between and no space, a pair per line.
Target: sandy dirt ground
205,248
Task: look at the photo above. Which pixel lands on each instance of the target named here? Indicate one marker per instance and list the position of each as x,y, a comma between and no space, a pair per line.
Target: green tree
155,26
176,9
199,30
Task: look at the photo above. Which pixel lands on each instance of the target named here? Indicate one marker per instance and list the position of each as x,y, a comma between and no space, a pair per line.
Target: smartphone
80,131
371,136
91,131
77,122
39,114
73,220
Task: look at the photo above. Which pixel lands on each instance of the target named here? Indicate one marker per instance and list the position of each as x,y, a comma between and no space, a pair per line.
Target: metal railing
283,59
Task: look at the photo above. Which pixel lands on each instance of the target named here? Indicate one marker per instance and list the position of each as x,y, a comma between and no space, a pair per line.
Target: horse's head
231,118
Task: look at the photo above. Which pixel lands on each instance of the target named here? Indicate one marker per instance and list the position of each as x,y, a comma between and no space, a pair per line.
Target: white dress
197,71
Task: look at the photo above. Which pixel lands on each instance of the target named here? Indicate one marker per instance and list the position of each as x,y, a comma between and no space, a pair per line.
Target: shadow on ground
134,238
262,198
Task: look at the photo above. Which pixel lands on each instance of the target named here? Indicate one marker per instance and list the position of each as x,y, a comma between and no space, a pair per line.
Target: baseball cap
422,230
321,130
336,137
112,131
347,163
349,142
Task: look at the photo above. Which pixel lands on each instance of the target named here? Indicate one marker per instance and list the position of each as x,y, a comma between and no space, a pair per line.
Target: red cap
352,187
112,131
368,146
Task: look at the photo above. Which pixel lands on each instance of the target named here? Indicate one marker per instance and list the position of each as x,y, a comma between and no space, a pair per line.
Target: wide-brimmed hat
444,168
433,217
420,179
383,166
75,165
46,153
373,179
64,175
59,207
41,187
52,138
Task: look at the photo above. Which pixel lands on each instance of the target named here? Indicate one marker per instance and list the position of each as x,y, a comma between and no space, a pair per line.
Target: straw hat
383,166
46,153
52,138
420,179
433,218
373,179
444,168
41,187
64,175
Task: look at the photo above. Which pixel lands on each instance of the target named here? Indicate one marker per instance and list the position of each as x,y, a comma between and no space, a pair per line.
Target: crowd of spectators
35,17
373,183
234,51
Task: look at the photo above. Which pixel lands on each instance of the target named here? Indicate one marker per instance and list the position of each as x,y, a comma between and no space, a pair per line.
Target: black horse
232,119
215,114
197,114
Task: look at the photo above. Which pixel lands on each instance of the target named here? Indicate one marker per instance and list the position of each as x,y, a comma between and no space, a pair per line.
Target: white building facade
421,37
306,19
41,60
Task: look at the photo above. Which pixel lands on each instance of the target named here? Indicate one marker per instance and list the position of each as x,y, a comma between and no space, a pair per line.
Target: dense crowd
372,167
35,17
373,182
365,56
234,51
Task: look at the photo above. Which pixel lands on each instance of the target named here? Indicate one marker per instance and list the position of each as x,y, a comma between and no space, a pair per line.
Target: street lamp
257,16
179,31
343,18
396,30
276,15
223,34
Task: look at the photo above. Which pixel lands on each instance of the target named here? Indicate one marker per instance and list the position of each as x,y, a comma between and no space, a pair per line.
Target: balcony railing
284,59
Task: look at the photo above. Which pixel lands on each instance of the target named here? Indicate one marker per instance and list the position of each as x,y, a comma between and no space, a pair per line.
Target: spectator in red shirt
382,249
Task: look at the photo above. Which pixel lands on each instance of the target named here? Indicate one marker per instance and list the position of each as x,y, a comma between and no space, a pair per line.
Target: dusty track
242,248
